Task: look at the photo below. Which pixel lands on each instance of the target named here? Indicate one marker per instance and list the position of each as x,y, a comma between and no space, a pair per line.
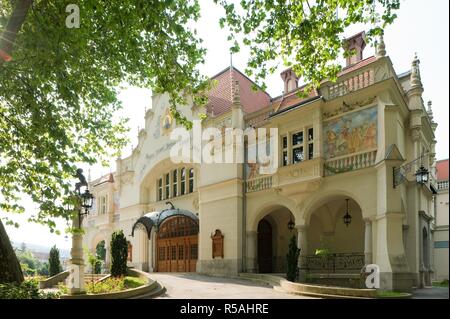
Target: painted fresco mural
352,133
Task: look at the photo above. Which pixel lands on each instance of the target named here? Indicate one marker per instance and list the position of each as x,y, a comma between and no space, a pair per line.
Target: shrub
119,253
114,284
29,289
292,260
53,261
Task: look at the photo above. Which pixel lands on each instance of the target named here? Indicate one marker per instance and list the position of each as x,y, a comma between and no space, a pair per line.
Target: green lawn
443,283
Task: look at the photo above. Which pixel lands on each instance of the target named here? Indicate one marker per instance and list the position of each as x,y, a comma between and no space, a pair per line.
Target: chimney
290,80
357,44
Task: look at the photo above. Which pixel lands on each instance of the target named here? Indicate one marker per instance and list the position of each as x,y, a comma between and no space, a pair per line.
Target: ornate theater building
350,181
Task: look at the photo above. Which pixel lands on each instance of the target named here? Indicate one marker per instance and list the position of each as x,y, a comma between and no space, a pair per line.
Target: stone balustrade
258,184
348,163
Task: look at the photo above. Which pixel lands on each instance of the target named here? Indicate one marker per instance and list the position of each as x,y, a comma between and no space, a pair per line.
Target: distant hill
63,253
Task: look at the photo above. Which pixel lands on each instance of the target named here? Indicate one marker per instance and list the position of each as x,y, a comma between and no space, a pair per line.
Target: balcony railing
258,184
349,163
356,82
441,185
333,263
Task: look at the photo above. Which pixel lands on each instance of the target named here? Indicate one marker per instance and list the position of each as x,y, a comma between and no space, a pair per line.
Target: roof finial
415,72
429,110
381,47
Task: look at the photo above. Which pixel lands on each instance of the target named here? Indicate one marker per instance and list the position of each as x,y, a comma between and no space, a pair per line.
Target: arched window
178,226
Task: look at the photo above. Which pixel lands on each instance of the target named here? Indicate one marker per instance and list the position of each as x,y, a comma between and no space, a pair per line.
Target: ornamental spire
415,72
381,48
430,111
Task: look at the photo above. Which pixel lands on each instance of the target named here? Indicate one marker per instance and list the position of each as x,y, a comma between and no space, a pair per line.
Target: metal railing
332,263
442,185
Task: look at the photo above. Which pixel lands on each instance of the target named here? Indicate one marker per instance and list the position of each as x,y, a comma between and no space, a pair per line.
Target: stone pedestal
252,244
75,281
302,244
368,242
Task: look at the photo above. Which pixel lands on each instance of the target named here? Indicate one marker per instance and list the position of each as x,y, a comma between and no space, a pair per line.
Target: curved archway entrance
177,245
272,240
264,246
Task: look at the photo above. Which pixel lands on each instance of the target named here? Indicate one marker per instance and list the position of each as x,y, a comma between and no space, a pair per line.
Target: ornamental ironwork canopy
155,219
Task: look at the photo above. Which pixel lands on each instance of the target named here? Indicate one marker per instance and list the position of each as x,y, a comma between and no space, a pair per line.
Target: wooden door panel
177,253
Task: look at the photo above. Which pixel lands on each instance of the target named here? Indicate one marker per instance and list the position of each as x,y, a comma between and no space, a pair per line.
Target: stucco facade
440,252
346,140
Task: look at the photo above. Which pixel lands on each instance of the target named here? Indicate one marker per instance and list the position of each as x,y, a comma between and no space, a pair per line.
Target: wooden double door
177,245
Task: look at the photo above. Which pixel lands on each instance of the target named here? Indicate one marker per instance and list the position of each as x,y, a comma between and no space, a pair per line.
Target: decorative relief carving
195,203
348,107
217,244
127,177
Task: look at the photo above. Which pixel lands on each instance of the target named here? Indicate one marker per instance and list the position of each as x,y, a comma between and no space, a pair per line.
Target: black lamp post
347,217
86,198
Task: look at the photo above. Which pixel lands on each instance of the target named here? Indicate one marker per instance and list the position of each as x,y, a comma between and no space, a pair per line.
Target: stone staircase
279,283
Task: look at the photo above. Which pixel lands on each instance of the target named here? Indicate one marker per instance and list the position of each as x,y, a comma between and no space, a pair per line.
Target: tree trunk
12,28
10,270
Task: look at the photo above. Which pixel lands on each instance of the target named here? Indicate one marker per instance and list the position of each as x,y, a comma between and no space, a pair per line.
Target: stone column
75,281
302,244
368,241
108,252
252,244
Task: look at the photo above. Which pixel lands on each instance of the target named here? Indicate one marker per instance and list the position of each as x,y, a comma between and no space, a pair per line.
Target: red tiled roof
105,178
358,65
442,170
292,99
220,99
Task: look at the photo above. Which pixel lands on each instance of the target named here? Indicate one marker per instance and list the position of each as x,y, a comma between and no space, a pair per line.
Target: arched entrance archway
272,240
174,239
332,245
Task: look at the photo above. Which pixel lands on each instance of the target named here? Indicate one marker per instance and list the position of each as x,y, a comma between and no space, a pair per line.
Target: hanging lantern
347,217
422,175
291,225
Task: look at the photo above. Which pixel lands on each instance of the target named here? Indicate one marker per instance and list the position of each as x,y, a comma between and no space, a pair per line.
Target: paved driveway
431,293
195,286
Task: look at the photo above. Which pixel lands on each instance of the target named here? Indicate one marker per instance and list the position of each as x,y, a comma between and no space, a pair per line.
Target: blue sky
422,27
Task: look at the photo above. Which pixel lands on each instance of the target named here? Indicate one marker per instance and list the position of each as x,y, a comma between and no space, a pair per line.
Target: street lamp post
82,204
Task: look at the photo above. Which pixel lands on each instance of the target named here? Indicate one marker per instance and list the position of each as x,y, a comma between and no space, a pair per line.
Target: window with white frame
160,189
167,186
183,181
285,152
310,143
175,183
191,180
103,204
297,147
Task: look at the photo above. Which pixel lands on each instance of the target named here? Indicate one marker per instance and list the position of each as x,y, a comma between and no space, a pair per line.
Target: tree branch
15,22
